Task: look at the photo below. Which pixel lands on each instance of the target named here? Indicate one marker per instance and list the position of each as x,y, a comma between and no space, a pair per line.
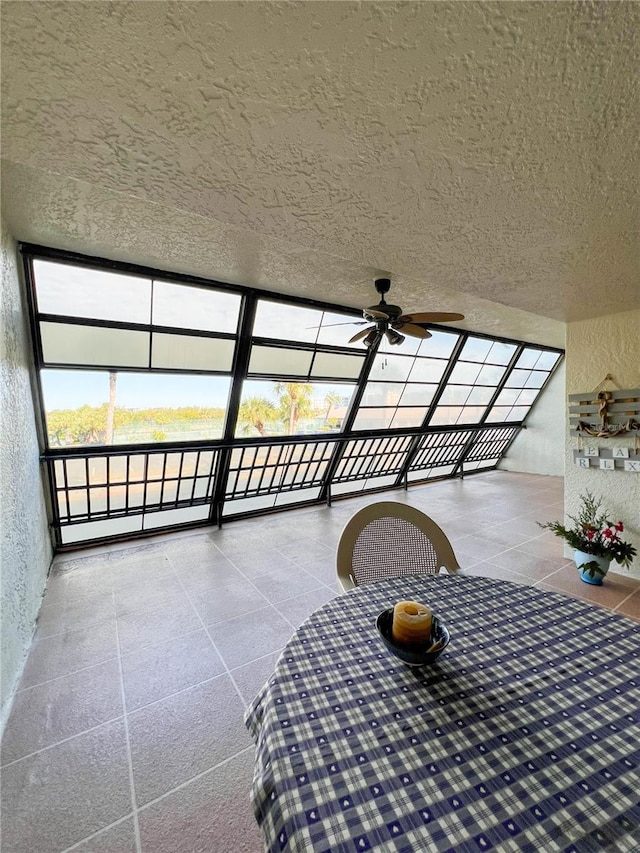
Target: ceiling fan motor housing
392,311
382,286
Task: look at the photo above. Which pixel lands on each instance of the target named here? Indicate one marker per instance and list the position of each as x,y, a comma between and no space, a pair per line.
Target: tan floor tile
51,712
211,813
62,654
76,613
544,546
154,672
150,627
180,737
73,580
609,595
630,606
251,677
238,641
532,566
57,797
117,839
475,549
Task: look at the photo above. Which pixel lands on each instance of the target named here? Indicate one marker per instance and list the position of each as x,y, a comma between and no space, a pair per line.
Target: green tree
59,427
295,402
88,424
256,412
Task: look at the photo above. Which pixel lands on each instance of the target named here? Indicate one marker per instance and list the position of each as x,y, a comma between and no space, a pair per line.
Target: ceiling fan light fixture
394,337
371,338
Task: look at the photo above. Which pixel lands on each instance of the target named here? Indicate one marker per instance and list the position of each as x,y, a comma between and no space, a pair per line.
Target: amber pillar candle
411,622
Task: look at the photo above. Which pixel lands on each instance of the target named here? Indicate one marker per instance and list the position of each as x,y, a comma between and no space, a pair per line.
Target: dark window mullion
272,468
347,424
238,375
210,475
127,476
108,486
444,379
65,477
87,487
130,326
296,467
151,335
514,358
163,478
468,445
500,386
145,480
179,481
363,461
234,473
195,476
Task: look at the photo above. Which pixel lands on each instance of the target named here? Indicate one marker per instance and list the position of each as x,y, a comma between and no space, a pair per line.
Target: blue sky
66,389
70,389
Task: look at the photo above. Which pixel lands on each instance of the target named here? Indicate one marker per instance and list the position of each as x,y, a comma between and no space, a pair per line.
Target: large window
145,407
171,401
130,359
403,383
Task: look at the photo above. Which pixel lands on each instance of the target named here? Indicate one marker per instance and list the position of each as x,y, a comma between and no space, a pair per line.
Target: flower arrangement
593,533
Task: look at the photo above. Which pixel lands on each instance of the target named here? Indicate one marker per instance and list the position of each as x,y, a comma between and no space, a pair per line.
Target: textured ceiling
478,153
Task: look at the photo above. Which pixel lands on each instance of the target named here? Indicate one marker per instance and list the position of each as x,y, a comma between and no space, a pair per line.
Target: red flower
590,532
608,533
619,526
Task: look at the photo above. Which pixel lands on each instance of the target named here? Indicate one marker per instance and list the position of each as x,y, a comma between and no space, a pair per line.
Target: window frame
478,446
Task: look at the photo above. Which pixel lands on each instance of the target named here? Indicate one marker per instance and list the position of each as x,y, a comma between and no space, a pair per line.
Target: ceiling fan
390,321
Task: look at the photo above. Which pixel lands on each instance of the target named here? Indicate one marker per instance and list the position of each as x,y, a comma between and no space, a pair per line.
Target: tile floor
127,735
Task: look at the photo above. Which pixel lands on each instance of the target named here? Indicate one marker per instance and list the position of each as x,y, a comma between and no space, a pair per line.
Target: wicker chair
390,539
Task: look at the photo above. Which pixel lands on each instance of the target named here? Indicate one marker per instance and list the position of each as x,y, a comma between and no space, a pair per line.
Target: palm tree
295,402
113,381
255,412
332,399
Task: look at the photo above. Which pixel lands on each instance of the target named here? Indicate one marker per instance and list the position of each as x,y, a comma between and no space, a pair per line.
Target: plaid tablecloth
523,736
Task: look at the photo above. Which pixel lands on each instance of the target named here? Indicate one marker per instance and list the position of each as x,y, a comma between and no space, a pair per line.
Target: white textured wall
25,547
594,348
539,449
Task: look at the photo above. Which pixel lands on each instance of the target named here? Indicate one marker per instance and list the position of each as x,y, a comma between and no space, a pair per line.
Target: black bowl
413,654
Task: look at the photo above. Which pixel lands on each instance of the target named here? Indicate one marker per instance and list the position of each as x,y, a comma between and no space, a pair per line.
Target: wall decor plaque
605,414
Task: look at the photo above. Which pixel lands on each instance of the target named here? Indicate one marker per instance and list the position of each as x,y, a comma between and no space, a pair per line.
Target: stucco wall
594,348
25,547
539,449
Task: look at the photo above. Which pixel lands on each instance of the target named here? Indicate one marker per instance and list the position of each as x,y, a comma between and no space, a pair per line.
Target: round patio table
523,736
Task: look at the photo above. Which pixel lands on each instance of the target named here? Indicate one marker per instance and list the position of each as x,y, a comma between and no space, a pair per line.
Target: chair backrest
390,539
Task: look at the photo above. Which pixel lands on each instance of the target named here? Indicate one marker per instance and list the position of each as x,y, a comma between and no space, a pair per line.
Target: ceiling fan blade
362,334
347,323
430,317
411,329
373,312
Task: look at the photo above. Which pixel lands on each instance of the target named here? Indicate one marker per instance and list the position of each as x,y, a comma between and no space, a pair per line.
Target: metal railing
94,490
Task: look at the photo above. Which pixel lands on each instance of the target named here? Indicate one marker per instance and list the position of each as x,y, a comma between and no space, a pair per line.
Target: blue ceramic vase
586,569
